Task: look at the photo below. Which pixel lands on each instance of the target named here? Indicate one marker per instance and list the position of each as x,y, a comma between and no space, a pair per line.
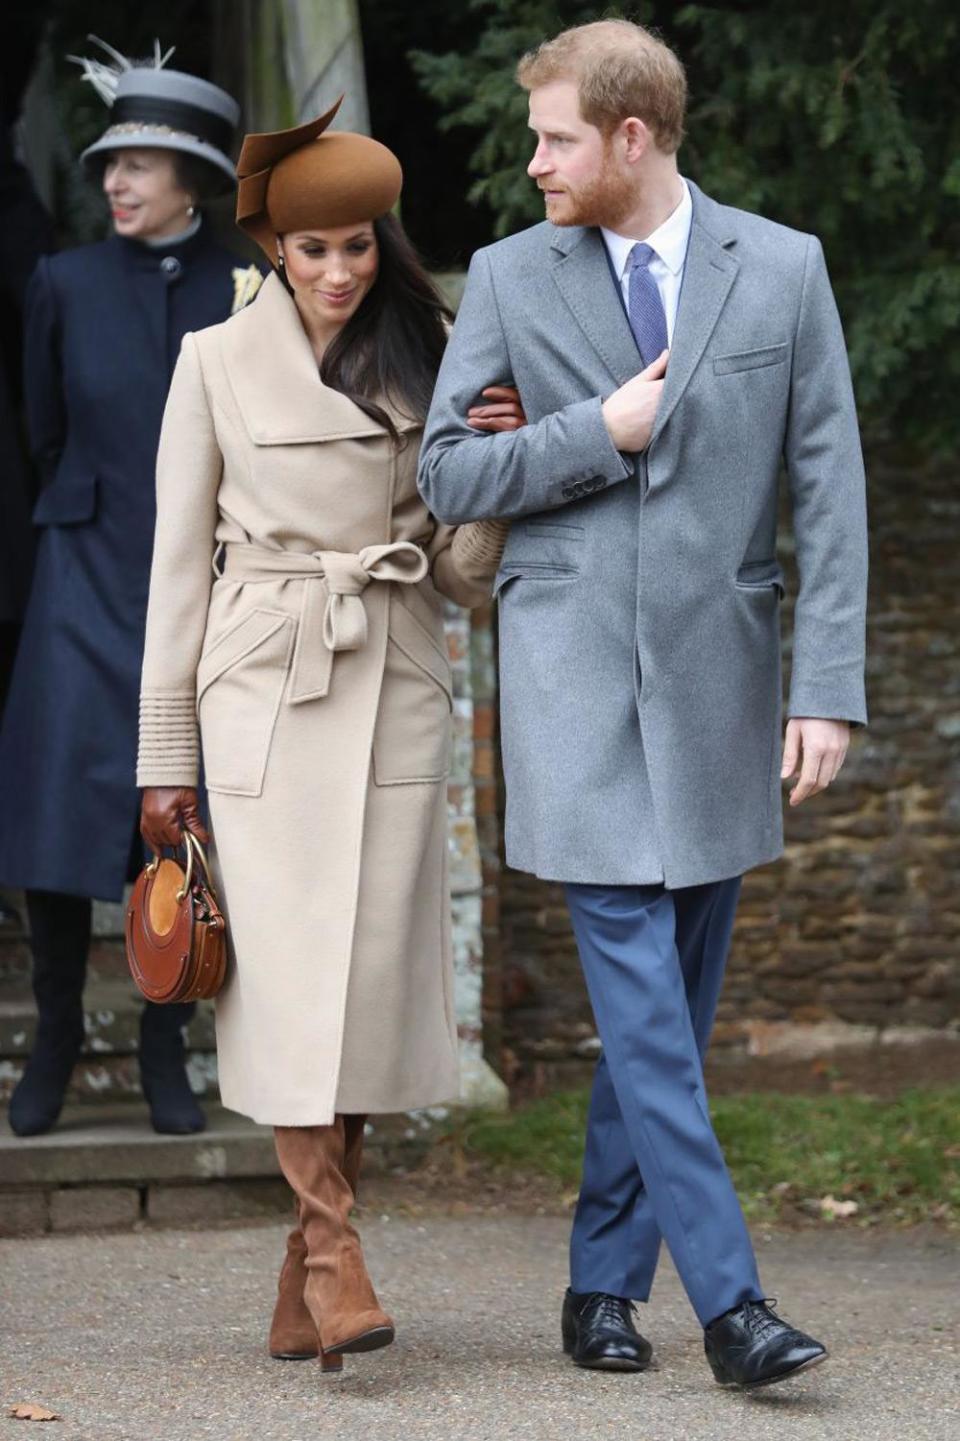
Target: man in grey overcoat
672,354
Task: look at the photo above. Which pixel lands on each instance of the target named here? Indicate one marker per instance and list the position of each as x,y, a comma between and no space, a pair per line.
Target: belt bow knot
345,576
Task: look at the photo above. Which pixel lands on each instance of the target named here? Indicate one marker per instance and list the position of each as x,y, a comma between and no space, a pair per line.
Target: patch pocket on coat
412,737
750,359
240,681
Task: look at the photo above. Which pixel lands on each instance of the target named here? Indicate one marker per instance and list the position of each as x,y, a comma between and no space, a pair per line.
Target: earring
191,210
280,260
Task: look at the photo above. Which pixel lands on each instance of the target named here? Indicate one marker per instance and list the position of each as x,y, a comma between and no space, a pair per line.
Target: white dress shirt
669,241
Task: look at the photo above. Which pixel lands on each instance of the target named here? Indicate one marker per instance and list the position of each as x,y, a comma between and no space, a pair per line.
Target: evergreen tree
841,120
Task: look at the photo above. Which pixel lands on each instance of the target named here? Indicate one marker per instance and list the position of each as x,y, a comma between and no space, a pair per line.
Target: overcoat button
171,266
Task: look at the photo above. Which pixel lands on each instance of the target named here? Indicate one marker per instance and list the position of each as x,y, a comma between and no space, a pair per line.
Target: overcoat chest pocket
411,741
240,683
750,359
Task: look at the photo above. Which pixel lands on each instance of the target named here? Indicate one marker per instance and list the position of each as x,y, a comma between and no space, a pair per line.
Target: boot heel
331,1362
568,1332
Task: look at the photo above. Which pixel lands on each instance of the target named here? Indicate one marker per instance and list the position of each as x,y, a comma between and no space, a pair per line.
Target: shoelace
609,1309
760,1318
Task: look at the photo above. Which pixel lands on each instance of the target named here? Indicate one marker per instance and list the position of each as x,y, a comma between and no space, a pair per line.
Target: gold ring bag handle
195,849
175,931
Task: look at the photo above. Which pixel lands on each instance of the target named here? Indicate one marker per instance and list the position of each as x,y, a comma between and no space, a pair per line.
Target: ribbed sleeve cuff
478,546
169,753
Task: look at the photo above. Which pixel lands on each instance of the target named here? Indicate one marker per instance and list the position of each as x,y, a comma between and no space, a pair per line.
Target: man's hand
165,811
504,413
630,412
818,748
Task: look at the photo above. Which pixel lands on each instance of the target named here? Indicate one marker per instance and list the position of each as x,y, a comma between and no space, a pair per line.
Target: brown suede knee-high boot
338,1292
293,1336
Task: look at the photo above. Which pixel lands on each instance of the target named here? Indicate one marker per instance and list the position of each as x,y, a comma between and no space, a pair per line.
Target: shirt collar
669,240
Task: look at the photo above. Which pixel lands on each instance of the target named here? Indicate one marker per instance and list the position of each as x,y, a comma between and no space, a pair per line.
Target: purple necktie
645,309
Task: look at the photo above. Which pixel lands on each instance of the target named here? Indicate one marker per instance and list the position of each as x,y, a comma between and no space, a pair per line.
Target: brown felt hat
302,179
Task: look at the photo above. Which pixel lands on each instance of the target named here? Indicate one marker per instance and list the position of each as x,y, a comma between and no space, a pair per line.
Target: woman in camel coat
296,612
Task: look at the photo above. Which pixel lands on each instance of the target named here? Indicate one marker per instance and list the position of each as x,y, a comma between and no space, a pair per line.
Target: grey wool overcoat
310,665
639,595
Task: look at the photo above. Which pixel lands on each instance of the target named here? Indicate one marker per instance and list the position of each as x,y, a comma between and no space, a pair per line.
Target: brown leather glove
165,811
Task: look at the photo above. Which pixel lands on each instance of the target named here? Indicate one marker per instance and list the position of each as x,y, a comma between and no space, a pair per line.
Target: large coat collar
275,381
583,276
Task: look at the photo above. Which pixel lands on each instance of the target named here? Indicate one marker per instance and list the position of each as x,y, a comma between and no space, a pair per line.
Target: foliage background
840,120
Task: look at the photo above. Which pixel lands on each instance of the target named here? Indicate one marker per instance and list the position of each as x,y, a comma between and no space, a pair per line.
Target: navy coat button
171,266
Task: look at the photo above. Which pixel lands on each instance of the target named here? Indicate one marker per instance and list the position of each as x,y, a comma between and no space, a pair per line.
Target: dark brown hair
197,176
392,347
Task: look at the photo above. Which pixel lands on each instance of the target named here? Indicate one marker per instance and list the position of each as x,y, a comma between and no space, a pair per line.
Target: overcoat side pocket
240,683
412,739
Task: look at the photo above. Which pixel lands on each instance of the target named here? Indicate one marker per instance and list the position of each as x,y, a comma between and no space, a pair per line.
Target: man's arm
828,494
469,476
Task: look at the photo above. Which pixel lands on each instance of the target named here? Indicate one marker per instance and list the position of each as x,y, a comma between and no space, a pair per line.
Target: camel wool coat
295,621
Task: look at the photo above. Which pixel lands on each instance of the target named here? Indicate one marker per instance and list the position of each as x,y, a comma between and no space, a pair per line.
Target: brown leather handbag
175,933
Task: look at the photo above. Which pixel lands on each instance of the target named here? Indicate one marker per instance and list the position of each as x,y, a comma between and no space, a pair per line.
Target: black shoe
750,1346
10,918
163,1071
598,1331
37,1101
59,938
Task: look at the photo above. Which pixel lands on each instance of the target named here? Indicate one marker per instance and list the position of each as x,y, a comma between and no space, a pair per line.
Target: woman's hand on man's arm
503,412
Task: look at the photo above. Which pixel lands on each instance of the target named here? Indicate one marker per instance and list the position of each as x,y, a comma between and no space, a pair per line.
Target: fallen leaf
26,1411
830,1206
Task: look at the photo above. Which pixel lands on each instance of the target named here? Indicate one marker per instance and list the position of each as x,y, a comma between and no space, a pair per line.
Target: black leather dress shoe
750,1346
598,1331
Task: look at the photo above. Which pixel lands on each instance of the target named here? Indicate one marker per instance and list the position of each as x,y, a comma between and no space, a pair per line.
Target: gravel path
159,1336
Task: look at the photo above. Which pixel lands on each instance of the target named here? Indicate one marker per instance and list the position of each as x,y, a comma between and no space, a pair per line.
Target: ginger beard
605,200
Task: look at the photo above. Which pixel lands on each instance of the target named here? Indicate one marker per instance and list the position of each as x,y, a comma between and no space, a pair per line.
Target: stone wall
855,934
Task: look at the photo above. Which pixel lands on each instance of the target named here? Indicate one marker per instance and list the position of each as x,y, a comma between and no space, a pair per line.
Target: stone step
116,1145
111,1018
108,1069
106,959
100,1080
105,1168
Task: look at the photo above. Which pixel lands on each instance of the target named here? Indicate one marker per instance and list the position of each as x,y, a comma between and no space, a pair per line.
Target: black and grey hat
162,109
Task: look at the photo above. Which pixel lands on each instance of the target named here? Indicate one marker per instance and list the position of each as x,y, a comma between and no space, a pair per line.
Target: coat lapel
273,373
582,273
708,276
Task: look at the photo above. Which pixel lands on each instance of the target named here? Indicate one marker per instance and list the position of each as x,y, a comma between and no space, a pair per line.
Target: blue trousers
653,961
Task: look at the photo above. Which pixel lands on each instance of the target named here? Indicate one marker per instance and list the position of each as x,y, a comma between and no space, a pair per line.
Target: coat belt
335,580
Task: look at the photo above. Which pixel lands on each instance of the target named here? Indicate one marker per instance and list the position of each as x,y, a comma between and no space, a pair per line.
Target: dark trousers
653,960
9,639
60,944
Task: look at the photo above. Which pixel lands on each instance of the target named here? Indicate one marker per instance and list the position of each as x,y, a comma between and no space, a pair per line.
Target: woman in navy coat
104,326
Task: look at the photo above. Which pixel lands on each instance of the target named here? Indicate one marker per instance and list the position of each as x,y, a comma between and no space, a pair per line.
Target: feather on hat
161,109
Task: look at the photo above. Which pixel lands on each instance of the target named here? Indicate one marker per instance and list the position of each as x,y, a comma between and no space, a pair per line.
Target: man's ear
637,138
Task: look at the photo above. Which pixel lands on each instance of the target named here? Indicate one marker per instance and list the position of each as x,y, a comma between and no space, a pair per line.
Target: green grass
897,1160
